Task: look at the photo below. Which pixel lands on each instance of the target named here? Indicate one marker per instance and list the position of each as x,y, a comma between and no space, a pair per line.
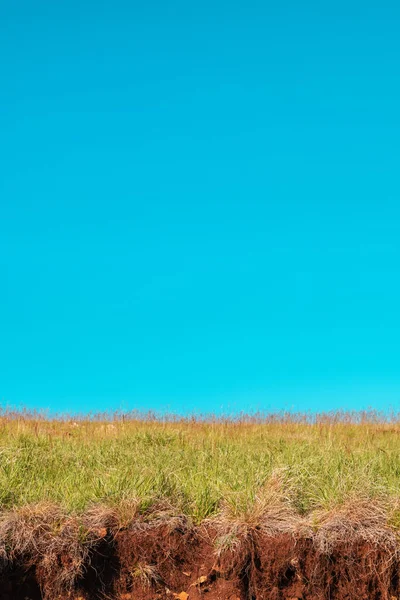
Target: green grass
200,468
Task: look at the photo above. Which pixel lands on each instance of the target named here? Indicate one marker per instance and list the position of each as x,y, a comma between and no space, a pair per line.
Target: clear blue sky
199,204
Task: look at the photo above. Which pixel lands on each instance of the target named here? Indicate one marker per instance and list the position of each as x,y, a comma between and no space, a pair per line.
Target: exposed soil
172,560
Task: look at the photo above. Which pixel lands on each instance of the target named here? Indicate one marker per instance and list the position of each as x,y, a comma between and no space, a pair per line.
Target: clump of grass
357,519
147,575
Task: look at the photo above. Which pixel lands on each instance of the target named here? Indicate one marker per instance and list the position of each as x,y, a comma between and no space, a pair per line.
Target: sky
199,205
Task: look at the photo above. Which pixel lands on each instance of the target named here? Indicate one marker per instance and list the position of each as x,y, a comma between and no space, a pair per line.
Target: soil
176,561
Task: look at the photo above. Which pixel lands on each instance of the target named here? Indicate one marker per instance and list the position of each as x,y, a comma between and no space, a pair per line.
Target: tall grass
199,466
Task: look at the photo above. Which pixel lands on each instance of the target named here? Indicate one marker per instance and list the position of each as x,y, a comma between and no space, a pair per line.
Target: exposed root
57,544
348,552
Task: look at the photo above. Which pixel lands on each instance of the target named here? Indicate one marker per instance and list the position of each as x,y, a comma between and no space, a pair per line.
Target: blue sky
199,205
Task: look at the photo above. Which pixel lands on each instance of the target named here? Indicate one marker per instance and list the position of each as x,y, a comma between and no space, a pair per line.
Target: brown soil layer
174,560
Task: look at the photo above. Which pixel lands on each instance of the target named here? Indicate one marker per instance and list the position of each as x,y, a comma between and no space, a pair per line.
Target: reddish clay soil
175,561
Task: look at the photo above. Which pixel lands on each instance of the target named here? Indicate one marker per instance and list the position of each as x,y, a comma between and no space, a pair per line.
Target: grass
202,468
75,493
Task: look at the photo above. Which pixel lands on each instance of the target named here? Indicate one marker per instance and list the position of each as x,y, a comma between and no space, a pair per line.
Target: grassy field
201,468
